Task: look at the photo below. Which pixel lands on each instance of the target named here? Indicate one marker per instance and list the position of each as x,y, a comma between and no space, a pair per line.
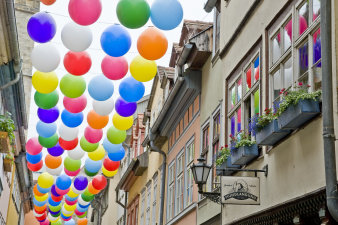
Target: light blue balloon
93,166
115,40
39,204
71,119
43,190
82,209
109,147
70,198
101,88
69,222
131,90
166,14
46,130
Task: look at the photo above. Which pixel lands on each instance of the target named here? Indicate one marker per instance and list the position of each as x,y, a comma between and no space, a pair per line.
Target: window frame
187,184
171,187
179,196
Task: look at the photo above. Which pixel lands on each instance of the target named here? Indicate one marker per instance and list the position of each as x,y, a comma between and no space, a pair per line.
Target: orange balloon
83,221
36,191
92,190
40,208
53,162
152,44
48,2
97,121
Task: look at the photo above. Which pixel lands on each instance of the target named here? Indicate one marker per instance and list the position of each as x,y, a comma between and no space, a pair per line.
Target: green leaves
7,125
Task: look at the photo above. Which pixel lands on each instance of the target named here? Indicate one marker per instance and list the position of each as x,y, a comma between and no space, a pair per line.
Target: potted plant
8,162
265,128
298,107
223,162
245,150
7,128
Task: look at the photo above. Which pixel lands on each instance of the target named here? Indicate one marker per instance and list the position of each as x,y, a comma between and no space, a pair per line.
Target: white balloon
36,214
82,202
103,108
76,153
55,172
52,218
68,133
75,37
77,191
64,211
45,57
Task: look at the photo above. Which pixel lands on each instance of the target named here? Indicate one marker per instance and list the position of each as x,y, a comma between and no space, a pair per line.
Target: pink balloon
85,12
71,202
93,135
46,222
75,105
33,146
72,173
66,219
114,68
78,213
62,192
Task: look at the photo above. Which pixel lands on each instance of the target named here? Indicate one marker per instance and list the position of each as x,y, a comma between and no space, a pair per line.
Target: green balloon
46,101
87,198
88,147
55,208
90,174
59,222
49,142
116,136
72,86
133,13
87,193
72,164
83,216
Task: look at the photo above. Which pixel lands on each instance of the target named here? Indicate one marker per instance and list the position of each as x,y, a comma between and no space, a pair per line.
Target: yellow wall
12,214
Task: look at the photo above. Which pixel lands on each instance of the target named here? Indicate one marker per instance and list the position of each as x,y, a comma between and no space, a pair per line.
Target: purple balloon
56,150
53,191
124,108
48,115
41,27
80,183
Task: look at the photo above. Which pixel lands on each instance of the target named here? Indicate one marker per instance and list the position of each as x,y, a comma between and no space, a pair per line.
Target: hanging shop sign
240,190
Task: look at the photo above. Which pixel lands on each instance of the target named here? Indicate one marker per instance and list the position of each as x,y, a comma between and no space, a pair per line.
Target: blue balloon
63,182
101,88
93,166
34,159
65,217
115,40
80,209
43,190
131,90
115,152
48,115
80,183
41,27
70,199
69,222
52,202
37,203
166,14
124,108
54,213
46,130
56,150
71,119
109,147
53,191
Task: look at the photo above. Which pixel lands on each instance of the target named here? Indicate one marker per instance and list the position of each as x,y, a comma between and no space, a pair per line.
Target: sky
193,10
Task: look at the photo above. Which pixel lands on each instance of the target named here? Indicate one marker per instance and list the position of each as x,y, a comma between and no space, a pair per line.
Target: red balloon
43,217
33,146
35,167
110,165
75,105
68,145
93,135
57,198
77,63
99,182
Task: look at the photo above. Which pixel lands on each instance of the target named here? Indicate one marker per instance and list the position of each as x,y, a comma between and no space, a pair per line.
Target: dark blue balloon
71,119
115,40
131,90
63,182
34,159
53,191
117,155
54,213
317,54
124,108
56,150
52,202
41,27
80,183
48,115
100,88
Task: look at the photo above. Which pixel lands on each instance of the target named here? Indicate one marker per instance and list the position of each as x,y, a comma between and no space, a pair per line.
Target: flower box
271,134
297,115
226,165
7,165
5,145
243,155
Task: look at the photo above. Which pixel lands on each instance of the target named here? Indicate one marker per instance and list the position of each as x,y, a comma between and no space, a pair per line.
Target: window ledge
185,211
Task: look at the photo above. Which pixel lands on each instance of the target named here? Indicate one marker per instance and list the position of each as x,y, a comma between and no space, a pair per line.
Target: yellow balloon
71,193
122,123
45,180
56,218
45,82
143,70
69,207
98,154
67,215
108,173
41,198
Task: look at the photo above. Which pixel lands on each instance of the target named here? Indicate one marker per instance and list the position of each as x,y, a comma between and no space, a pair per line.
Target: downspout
328,120
154,148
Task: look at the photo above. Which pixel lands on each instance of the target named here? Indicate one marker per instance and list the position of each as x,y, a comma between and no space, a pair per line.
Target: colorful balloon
111,165
109,147
76,153
98,154
99,182
104,108
57,150
41,27
143,70
71,164
92,190
63,182
88,147
46,130
48,2
100,88
35,167
45,82
48,115
83,221
55,172
80,183
72,173
72,86
75,37
115,152
49,142
45,57
124,108
68,145
34,159
108,173
45,180
46,101
93,135
122,123
53,162
96,121
133,13
77,63
131,90
75,105
152,44
71,119
115,40
68,133
166,14
93,166
116,136
114,68
84,12
33,146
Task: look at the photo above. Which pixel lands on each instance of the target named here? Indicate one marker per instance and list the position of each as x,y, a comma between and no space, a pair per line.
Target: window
153,215
205,140
142,207
171,193
190,155
217,26
215,144
16,193
148,204
179,182
296,53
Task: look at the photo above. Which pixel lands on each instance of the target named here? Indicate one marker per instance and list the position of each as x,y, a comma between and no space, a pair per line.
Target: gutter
327,111
209,5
